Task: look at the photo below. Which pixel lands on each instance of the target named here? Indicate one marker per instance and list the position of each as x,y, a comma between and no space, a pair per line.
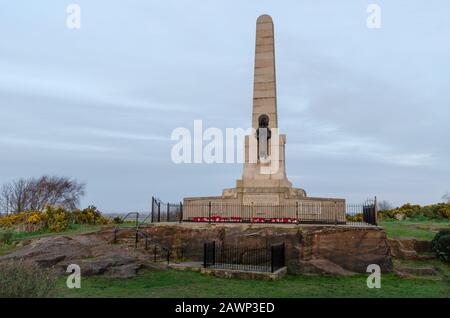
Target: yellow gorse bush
354,218
14,219
432,211
55,219
90,215
29,221
36,217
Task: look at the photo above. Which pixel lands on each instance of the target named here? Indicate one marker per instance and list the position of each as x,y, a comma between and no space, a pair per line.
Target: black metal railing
277,259
361,214
317,212
166,212
258,259
158,251
117,228
326,212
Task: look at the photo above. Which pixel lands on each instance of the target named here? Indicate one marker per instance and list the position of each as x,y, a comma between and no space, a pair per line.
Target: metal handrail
147,239
142,222
117,228
131,213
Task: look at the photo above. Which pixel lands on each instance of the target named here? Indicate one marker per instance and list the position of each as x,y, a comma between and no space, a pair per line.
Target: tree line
34,194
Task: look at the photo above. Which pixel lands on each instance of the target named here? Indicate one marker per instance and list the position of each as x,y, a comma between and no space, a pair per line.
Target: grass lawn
442,267
177,284
186,284
424,230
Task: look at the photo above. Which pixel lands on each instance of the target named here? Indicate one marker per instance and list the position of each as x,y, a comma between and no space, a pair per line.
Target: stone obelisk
264,84
257,169
261,186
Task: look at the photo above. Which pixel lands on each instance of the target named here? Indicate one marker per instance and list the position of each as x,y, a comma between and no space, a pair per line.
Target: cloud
53,145
123,135
364,150
356,104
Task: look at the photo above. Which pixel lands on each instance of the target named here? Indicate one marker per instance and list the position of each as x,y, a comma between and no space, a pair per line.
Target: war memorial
264,193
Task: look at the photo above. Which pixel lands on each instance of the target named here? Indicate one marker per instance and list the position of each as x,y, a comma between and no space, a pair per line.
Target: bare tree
6,198
35,194
15,195
446,197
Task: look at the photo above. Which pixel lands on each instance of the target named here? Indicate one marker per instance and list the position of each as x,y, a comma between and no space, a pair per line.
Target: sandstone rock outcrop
410,248
350,248
309,249
93,252
323,266
404,271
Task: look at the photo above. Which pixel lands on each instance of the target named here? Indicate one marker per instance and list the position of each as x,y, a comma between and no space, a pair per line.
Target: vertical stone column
264,85
269,169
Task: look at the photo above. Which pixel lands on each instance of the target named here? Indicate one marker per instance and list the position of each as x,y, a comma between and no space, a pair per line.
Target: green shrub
21,279
441,245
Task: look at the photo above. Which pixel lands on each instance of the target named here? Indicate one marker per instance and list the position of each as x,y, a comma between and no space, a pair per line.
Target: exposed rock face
50,251
124,271
351,249
93,252
416,271
410,248
323,266
309,249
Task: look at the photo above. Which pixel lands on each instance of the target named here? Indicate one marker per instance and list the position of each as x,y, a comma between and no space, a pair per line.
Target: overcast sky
366,111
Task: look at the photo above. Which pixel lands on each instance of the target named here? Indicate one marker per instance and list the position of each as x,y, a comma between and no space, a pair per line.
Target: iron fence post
204,255
375,208
251,212
159,211
335,214
136,239
271,258
137,221
181,212
153,207
214,253
209,212
296,212
168,211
